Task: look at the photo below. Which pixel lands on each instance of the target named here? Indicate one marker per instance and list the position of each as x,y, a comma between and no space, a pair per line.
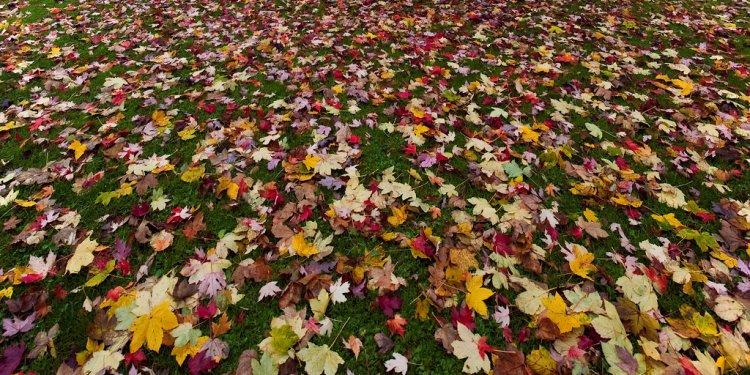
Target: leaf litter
547,186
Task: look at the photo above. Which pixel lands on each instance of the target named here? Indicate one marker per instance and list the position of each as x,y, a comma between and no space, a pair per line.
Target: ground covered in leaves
263,187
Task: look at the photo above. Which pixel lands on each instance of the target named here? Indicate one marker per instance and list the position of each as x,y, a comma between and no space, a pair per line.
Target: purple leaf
389,303
11,358
17,325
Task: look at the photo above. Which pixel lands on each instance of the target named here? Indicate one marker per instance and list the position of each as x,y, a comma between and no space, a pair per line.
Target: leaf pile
435,186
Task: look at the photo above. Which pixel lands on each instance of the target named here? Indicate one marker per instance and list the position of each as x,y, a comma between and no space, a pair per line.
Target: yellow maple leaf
557,312
160,118
54,52
475,295
705,324
722,256
529,135
667,219
232,188
311,161
420,129
624,200
181,352
398,217
6,293
417,112
423,309
581,265
24,203
685,86
188,133
541,362
10,125
386,75
590,216
193,174
150,328
302,247
78,148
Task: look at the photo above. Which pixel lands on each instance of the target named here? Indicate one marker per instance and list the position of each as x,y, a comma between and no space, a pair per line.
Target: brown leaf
146,183
184,289
64,369
446,335
547,330
143,233
291,295
11,223
222,327
731,236
101,325
593,229
245,363
195,226
511,361
637,322
385,344
289,367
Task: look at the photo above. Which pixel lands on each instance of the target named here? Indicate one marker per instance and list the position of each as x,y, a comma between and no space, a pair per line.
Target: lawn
371,187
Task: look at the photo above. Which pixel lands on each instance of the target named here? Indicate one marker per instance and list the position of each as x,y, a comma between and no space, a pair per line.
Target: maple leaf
399,216
389,303
669,221
185,334
161,241
311,161
483,208
593,229
78,148
43,341
609,326
181,352
103,360
193,174
17,325
396,325
195,226
201,363
468,347
11,358
354,344
221,327
728,308
264,366
231,187
638,288
83,256
476,294
150,328
302,247
319,305
557,311
422,309
338,291
398,364
541,362
268,290
320,359
581,264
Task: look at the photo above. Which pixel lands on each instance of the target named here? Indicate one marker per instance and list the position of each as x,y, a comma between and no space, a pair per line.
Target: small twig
333,342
